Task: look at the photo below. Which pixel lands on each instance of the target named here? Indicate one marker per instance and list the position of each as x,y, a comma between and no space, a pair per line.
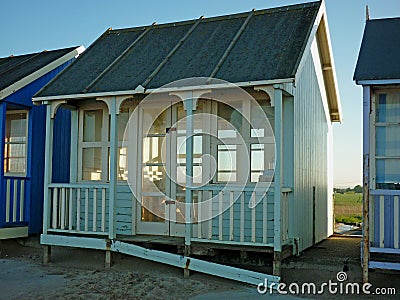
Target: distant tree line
356,189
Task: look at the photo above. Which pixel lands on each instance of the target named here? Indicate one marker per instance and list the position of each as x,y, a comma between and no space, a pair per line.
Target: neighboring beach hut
378,71
280,57
22,134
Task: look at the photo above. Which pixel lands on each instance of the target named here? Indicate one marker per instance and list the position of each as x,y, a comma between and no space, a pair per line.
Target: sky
28,26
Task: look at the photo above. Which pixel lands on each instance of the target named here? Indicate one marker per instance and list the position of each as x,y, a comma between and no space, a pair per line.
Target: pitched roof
379,57
14,69
258,45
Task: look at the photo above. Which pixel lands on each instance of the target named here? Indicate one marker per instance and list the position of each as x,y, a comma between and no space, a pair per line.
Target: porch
197,170
384,230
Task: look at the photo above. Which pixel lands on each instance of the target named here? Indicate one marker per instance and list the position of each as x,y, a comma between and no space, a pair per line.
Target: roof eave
39,73
162,90
377,81
332,91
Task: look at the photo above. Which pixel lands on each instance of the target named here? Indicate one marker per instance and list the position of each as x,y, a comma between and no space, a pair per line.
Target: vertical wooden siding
311,136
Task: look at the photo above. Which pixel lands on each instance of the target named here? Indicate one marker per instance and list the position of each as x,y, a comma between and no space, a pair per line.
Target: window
244,148
387,142
94,144
15,143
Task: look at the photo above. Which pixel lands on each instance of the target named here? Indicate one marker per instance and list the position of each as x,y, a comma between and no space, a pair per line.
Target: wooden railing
79,208
384,217
232,214
15,190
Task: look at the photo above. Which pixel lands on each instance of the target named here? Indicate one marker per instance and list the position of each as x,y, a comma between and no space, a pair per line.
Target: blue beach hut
378,72
22,136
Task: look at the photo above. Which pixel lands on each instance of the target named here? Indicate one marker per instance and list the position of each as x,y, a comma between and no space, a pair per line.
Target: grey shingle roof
379,56
15,68
269,47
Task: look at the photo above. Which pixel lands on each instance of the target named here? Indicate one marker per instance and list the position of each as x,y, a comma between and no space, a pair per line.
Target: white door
160,211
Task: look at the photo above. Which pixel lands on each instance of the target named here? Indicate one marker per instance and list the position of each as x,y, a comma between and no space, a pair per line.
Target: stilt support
46,254
108,260
277,264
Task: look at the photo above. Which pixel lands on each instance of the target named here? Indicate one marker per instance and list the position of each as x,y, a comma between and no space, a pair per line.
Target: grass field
348,208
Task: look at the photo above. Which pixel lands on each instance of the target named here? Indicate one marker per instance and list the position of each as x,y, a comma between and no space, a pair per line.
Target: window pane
123,119
154,150
92,125
16,127
258,116
154,122
387,171
91,164
231,121
15,143
388,140
388,108
122,163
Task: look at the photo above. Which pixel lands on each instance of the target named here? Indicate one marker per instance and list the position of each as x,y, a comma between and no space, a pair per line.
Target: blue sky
31,26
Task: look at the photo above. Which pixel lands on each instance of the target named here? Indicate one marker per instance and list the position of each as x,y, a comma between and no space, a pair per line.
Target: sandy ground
80,274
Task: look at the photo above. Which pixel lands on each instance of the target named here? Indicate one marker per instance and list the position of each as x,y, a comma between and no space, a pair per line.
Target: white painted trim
39,73
378,81
129,93
13,232
381,221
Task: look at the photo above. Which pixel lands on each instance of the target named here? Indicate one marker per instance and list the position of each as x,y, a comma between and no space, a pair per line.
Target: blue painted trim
384,265
384,250
385,192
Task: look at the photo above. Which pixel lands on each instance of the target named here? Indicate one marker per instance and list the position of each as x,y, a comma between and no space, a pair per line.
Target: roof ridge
383,19
224,17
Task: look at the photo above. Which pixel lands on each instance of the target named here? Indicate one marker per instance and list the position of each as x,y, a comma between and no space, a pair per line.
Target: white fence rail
233,215
15,199
79,208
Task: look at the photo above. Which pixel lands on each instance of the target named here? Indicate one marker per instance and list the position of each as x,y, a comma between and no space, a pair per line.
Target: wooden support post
366,175
278,169
108,259
47,169
276,268
114,111
46,254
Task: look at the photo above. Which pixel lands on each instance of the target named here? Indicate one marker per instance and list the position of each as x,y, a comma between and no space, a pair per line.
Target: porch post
366,175
189,107
278,179
48,156
113,165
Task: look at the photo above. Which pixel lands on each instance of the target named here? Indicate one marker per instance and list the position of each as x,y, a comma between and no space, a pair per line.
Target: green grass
349,198
345,207
352,220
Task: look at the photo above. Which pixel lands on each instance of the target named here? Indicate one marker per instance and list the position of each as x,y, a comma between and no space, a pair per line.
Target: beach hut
22,135
163,152
378,71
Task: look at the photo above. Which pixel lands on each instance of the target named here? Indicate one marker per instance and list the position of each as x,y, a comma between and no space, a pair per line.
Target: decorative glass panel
92,125
154,122
153,209
123,119
91,164
154,179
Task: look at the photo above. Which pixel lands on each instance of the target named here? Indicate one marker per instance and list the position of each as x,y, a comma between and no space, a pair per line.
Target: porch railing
234,215
385,223
79,208
15,199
